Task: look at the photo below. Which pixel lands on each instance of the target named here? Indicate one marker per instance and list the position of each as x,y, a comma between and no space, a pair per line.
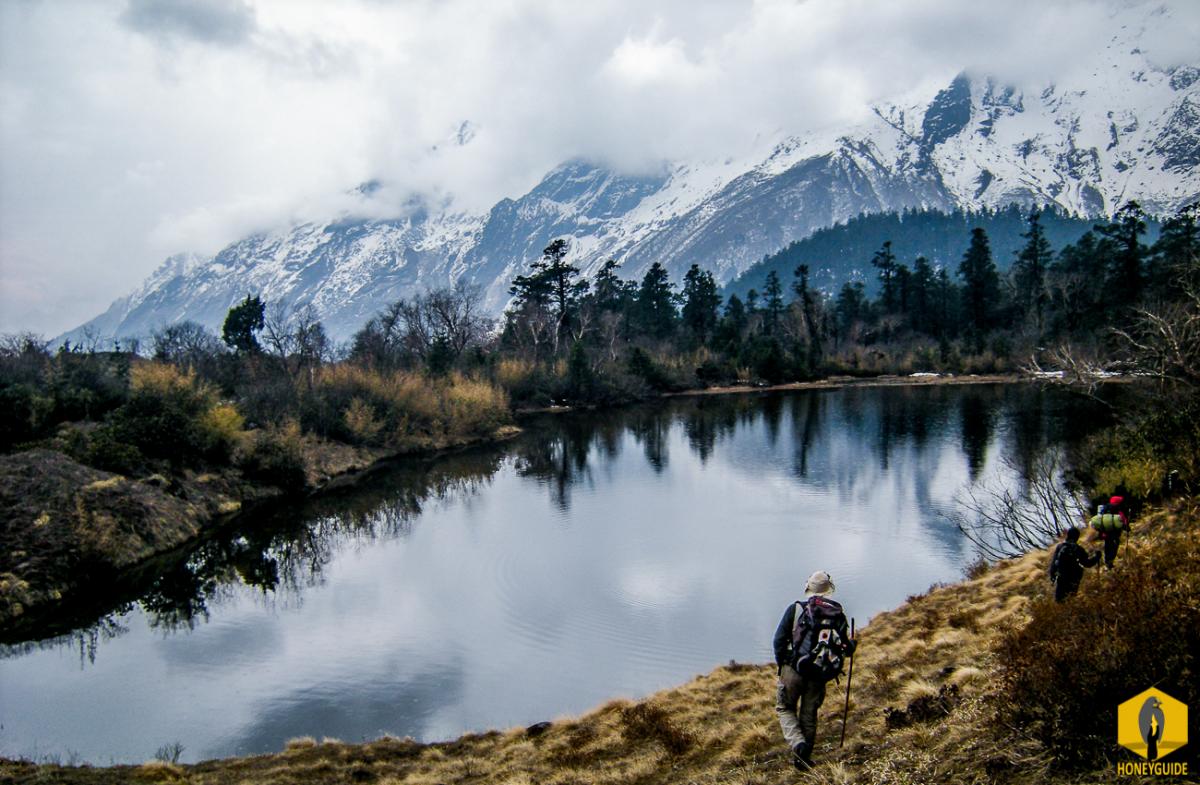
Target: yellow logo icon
1152,724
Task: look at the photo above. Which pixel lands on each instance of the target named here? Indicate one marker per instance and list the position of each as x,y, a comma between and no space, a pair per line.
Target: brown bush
399,408
966,619
276,457
648,722
1064,673
922,708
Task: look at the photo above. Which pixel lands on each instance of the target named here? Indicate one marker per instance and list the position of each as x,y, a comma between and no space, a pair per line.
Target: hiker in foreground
1067,565
811,646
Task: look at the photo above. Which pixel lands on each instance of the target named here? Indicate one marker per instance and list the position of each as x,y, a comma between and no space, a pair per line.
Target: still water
595,556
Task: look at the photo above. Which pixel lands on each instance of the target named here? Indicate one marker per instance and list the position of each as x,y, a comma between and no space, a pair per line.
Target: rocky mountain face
1123,129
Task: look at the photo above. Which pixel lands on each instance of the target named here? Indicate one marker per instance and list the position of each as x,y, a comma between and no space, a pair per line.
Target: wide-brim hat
819,583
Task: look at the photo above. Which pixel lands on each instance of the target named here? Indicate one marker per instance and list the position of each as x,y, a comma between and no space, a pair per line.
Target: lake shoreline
50,501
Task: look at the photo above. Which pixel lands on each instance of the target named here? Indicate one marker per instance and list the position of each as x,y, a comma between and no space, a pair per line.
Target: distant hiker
1067,564
1109,521
811,645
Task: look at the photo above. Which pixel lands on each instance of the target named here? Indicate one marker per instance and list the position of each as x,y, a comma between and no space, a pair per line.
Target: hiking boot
802,757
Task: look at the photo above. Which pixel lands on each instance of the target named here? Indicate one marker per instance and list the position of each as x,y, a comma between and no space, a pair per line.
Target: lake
598,555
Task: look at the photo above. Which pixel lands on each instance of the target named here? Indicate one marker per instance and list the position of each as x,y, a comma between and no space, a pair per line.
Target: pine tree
920,298
655,306
773,306
1029,272
981,287
610,293
808,308
903,289
945,310
242,323
1126,253
1177,253
532,291
701,299
885,261
552,284
851,304
732,325
1076,283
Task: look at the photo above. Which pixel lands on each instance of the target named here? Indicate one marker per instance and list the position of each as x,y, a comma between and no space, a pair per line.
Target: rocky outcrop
63,524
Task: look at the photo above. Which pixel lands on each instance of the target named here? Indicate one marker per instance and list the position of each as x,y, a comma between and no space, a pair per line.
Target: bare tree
612,327
26,343
1072,365
186,344
1165,344
23,357
295,338
1003,522
534,330
456,315
276,333
378,342
405,332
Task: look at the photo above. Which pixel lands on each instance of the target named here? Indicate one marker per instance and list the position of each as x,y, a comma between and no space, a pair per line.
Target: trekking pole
849,677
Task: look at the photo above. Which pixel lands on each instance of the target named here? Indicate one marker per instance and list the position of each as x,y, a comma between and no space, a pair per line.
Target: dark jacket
783,634
1069,561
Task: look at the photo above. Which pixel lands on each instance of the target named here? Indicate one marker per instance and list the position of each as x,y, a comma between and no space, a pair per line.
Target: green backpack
1106,522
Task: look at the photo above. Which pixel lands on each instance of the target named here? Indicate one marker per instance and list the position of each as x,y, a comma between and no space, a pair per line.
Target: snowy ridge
1122,129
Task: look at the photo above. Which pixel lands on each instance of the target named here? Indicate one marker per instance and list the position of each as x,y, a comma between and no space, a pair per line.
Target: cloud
643,62
218,22
130,131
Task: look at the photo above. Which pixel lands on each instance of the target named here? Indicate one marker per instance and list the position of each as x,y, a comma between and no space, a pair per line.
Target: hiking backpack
818,649
1056,562
1106,520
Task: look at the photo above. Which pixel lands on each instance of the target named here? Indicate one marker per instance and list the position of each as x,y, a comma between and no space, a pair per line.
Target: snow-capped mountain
1124,129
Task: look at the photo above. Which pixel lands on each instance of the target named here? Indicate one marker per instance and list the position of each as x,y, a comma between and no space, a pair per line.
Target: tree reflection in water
831,436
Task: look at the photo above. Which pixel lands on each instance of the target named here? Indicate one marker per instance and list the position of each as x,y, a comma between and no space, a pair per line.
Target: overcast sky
135,129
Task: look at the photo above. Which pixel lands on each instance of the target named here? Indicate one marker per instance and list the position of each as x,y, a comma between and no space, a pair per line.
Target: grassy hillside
932,702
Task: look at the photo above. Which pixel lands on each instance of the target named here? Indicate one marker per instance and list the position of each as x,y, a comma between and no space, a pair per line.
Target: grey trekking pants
796,704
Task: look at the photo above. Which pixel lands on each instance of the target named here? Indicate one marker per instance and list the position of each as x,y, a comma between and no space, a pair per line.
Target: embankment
66,527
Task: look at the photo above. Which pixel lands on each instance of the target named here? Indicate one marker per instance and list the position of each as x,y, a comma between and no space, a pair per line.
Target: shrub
641,365
24,414
221,430
276,457
366,406
1136,456
102,448
361,422
474,407
86,386
1065,672
527,383
580,379
165,414
710,372
648,722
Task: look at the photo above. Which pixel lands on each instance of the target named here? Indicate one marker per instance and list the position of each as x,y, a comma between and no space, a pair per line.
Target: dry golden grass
720,729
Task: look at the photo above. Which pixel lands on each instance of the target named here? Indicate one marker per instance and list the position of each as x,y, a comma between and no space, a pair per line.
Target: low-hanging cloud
220,22
133,130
